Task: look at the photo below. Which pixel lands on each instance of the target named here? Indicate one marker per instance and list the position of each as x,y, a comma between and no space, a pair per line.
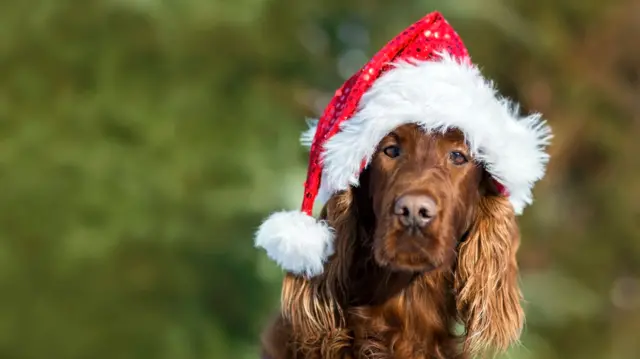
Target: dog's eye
392,151
457,158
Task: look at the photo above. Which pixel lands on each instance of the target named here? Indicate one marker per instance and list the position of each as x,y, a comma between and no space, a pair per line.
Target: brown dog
422,168
425,241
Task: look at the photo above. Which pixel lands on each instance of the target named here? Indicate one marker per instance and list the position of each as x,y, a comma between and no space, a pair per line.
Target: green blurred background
142,141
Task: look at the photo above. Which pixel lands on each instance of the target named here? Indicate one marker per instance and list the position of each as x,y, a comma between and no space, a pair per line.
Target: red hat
423,76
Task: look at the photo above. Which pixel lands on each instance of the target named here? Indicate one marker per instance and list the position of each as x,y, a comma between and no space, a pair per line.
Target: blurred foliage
142,141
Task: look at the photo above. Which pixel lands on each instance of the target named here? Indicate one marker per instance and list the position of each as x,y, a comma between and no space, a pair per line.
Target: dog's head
424,190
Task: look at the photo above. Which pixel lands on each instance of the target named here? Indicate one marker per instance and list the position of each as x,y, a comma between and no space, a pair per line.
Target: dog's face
424,189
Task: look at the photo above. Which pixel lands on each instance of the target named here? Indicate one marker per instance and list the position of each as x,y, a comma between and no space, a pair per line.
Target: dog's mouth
408,250
406,239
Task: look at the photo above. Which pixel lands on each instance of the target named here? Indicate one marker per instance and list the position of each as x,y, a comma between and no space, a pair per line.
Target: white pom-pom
299,243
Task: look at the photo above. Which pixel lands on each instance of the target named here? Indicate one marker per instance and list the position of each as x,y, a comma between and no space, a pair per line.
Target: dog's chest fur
407,325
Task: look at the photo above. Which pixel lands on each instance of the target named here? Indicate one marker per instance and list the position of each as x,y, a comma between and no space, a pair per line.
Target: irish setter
425,243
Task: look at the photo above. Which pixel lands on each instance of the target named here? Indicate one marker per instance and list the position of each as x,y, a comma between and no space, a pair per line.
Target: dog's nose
415,210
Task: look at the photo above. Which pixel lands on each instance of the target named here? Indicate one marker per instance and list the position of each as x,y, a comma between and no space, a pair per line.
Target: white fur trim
439,95
306,138
296,241
324,193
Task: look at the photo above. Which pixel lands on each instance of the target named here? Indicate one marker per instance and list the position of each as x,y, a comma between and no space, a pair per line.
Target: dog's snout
415,210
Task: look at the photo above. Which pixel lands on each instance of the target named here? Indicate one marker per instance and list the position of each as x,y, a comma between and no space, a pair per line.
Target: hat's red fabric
421,41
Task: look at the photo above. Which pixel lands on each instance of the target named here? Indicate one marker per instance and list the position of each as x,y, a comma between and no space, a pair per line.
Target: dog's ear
486,278
313,307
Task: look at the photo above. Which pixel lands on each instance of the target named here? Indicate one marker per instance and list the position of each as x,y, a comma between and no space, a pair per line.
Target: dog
424,245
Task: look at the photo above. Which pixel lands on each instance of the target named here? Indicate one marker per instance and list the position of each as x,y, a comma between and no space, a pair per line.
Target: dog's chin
409,253
407,264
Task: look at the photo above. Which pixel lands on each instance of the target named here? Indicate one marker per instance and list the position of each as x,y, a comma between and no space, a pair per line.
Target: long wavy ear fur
313,307
486,279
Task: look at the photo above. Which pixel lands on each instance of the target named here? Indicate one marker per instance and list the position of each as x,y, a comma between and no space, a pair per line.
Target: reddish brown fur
391,294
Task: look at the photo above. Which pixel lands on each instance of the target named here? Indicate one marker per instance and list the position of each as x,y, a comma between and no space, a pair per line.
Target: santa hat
423,76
